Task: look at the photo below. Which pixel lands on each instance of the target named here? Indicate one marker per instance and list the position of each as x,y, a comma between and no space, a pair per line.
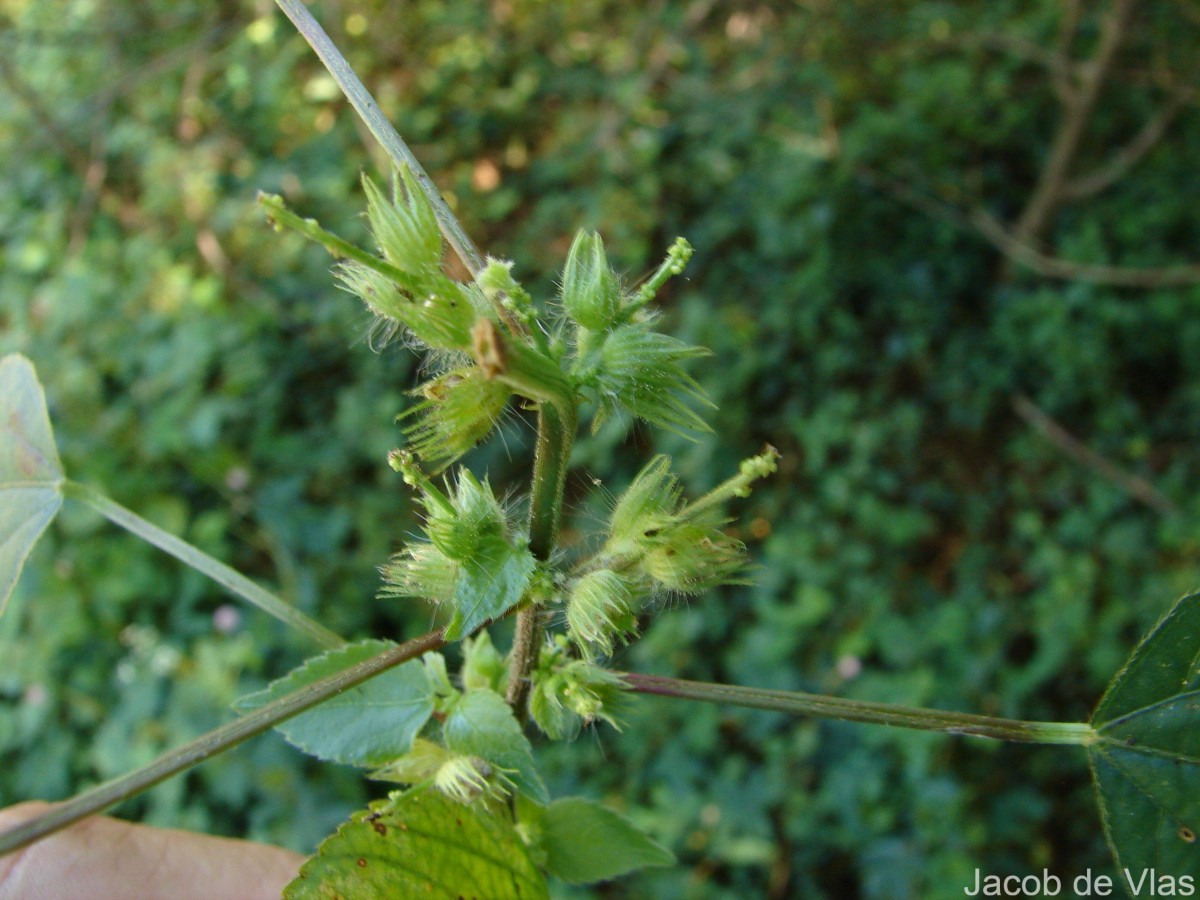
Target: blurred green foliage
922,543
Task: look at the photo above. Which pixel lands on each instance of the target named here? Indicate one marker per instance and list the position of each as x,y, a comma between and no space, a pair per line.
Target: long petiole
216,741
230,579
377,123
826,707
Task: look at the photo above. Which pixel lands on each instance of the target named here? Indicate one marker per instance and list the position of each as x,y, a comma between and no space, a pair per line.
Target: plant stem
230,579
339,248
677,258
863,711
369,111
555,435
216,741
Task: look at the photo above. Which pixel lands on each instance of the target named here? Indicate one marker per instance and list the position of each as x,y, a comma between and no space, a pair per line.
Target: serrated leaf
31,475
1146,759
421,844
483,725
585,842
369,725
489,585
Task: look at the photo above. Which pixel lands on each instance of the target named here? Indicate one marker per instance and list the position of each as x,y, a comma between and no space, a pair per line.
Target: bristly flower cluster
490,343
657,543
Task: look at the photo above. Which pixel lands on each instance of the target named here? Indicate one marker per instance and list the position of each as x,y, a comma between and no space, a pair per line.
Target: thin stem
339,248
822,706
749,471
216,741
556,434
230,579
677,258
367,109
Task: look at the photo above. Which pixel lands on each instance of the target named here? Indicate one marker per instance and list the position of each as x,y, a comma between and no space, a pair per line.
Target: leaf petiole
823,706
230,579
210,744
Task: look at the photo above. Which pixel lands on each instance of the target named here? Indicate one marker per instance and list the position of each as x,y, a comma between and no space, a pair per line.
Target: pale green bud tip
600,610
463,778
405,462
760,466
679,254
496,275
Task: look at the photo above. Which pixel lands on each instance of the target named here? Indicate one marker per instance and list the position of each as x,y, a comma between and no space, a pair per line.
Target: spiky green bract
459,776
635,368
476,562
568,693
475,517
674,546
435,310
600,610
404,226
591,294
419,764
414,293
458,410
420,570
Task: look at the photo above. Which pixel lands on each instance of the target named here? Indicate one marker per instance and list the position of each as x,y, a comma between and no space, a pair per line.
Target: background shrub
922,544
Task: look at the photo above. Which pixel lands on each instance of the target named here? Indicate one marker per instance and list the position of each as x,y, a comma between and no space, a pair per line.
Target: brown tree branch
1125,158
1134,485
1047,194
1065,84
979,221
1056,267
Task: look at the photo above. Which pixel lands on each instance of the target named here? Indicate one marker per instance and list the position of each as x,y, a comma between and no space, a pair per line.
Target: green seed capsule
590,292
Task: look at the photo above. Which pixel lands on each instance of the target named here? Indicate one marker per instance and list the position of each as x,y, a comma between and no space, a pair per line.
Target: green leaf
585,842
369,725
421,844
31,475
483,725
1146,759
489,584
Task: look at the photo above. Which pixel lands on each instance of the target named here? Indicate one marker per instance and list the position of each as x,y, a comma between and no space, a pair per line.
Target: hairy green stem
677,258
216,741
339,248
230,579
556,434
827,707
369,111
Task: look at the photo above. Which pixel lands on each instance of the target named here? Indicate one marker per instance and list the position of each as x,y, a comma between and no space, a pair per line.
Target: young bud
420,570
599,610
568,693
463,778
590,292
475,518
